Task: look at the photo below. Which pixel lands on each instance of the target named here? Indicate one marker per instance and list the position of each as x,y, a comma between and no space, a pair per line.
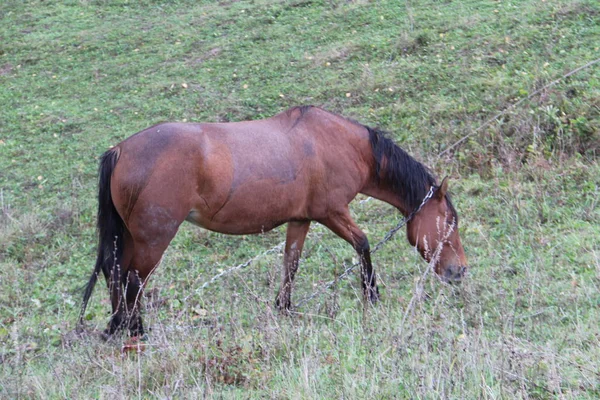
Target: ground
79,76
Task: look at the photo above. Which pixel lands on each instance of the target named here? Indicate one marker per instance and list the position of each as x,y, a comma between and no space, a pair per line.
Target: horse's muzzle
454,273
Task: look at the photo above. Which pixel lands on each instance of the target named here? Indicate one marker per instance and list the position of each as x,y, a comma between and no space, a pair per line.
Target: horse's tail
110,229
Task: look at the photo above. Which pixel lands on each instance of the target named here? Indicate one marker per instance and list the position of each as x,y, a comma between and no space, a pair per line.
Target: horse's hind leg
116,284
151,228
133,291
344,226
294,242
146,258
115,288
126,313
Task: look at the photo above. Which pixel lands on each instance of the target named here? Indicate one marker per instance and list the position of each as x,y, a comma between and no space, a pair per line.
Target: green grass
79,76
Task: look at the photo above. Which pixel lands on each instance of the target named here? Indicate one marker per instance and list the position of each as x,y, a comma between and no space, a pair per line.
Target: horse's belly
250,211
242,226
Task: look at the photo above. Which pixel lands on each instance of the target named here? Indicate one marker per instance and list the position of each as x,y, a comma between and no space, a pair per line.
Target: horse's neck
383,193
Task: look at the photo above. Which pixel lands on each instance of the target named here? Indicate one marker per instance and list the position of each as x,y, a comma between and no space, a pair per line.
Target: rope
510,107
238,267
388,236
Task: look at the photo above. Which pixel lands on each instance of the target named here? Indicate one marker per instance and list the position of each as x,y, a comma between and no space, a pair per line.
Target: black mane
404,175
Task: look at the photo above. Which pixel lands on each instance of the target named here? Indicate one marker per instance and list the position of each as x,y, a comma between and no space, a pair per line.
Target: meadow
486,92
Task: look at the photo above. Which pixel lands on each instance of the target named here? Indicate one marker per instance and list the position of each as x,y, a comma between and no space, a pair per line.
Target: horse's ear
442,189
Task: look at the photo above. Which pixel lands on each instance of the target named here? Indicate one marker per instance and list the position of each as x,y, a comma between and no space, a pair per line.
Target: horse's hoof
140,338
373,296
287,311
106,335
283,307
110,333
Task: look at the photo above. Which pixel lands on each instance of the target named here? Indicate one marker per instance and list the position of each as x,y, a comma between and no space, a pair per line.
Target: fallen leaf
134,344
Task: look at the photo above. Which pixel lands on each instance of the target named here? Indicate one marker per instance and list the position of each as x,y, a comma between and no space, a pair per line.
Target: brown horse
302,165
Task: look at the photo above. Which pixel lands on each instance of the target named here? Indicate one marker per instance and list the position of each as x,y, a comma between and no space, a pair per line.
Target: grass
79,76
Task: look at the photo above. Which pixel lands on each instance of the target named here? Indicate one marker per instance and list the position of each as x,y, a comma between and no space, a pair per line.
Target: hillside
488,93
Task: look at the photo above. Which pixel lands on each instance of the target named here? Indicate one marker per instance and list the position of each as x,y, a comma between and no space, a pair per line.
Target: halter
427,197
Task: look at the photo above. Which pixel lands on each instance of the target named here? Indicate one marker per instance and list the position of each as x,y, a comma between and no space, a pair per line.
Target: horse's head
434,231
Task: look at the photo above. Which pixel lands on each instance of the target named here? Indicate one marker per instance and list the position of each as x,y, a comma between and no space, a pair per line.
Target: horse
302,165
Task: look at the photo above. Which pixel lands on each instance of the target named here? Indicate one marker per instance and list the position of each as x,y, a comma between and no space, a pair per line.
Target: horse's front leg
369,285
294,242
343,225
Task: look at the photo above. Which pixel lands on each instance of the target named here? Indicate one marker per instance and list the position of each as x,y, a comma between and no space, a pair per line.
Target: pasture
79,76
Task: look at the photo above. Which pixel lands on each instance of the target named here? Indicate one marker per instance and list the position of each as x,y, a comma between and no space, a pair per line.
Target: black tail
110,228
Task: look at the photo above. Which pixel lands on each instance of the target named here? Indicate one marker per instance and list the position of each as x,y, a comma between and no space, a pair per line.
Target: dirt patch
212,53
6,69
